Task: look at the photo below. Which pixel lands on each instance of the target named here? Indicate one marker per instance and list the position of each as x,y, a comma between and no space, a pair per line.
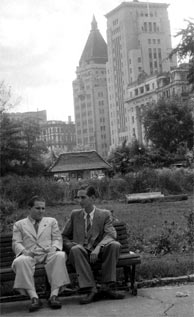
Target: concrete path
170,301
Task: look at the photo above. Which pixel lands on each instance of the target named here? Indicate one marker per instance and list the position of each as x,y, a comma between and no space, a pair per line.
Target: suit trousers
55,266
79,257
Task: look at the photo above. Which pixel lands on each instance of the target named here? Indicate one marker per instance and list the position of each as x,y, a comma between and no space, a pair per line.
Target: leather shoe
88,298
114,295
35,304
54,302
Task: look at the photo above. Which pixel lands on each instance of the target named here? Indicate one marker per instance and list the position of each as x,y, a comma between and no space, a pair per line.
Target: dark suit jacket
101,233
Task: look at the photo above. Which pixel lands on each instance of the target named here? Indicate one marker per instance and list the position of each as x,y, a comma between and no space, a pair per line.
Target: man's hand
28,253
51,249
94,254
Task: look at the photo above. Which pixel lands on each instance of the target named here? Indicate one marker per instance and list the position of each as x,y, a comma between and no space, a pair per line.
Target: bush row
19,189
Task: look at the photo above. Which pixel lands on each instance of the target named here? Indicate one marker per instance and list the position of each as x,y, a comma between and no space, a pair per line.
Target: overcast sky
41,42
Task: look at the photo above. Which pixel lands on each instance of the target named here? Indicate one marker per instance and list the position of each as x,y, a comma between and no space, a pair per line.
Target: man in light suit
37,239
88,235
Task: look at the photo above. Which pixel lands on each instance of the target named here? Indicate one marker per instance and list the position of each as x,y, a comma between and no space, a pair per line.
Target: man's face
38,210
85,201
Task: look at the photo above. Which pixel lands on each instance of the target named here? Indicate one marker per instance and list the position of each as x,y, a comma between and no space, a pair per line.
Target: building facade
37,117
91,97
59,136
138,40
151,89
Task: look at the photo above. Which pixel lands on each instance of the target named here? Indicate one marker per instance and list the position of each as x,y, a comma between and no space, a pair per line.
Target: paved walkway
170,301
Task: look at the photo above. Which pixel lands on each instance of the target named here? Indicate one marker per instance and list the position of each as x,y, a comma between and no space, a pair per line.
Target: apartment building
91,97
139,41
59,135
150,89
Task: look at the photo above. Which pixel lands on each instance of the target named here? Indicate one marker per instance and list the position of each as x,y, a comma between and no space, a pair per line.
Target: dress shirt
91,218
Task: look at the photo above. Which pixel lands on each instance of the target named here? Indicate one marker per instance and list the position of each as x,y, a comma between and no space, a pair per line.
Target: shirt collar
33,221
91,214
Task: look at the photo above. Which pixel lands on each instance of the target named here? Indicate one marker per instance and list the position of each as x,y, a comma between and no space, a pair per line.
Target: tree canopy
185,48
169,124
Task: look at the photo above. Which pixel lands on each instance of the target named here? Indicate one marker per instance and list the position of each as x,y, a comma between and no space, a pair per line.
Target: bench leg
132,278
128,271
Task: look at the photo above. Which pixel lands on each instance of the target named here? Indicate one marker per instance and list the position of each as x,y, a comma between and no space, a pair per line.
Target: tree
185,48
168,124
129,158
20,148
6,99
10,144
33,148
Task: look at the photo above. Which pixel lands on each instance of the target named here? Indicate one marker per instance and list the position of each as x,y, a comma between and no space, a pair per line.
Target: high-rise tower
91,97
139,41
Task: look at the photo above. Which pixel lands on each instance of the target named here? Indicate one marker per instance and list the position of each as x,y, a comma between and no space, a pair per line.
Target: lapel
81,223
44,223
95,227
95,219
30,227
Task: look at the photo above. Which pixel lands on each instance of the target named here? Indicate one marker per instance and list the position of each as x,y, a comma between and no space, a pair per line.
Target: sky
41,42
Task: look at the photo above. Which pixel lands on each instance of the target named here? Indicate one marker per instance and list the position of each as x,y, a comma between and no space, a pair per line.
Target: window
159,53
150,27
145,26
139,59
150,52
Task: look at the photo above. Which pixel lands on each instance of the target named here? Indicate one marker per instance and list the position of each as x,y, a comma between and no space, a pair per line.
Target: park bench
127,264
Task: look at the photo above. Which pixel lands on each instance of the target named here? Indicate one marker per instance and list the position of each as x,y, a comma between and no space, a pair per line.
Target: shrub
21,189
7,209
144,180
117,188
167,182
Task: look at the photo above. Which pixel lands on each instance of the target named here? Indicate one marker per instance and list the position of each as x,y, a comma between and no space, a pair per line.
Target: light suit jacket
25,236
102,231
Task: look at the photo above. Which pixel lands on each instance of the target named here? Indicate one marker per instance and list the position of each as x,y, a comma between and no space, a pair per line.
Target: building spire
94,24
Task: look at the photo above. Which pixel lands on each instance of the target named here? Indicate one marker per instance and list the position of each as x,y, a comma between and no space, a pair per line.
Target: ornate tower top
95,50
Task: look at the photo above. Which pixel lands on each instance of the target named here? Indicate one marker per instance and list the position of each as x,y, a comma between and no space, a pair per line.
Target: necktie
36,225
88,223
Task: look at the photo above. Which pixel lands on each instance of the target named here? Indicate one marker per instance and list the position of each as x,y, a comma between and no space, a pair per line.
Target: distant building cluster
59,136
116,80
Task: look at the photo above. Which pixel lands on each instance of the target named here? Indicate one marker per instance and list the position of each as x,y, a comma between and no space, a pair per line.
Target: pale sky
41,42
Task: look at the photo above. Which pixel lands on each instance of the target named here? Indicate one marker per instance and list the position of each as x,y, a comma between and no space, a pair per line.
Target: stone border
166,281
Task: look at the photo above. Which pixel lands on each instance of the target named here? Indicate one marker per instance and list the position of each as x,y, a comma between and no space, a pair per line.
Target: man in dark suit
89,234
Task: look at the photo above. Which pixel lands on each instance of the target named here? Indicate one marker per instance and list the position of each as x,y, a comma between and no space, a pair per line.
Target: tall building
91,97
139,40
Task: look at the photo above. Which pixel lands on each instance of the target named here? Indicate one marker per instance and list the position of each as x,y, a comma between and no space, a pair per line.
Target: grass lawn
146,217
145,221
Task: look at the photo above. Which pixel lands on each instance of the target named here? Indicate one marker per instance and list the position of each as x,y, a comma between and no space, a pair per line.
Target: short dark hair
33,199
90,191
